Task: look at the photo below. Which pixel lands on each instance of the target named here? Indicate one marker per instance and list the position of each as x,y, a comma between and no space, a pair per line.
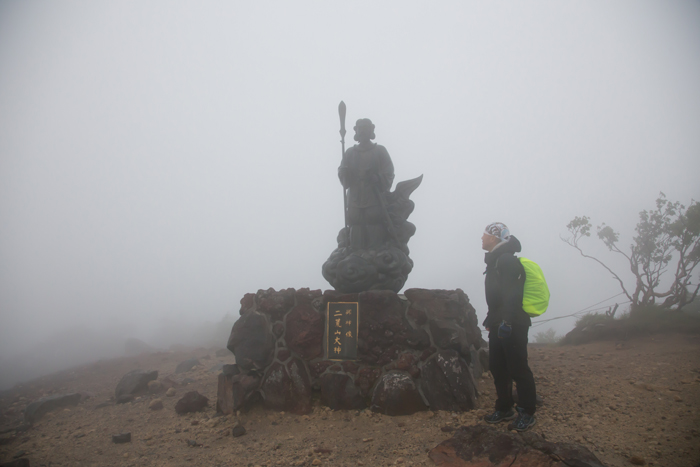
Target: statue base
354,270
416,351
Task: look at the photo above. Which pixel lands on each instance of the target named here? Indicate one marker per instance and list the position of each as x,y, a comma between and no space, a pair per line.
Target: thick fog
158,160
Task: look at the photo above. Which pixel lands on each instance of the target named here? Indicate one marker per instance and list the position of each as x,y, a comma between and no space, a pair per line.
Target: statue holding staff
367,173
372,249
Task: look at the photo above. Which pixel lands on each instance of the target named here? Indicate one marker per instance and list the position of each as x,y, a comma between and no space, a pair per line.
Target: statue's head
364,128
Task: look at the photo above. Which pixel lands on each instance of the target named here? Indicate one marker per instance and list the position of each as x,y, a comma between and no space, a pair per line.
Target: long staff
341,113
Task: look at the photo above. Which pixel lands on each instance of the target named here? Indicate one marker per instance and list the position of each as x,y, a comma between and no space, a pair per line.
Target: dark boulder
235,390
187,365
39,407
340,393
396,394
487,446
238,430
252,342
135,382
447,382
192,401
287,387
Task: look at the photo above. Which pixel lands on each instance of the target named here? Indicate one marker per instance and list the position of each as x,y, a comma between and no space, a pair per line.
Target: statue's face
363,130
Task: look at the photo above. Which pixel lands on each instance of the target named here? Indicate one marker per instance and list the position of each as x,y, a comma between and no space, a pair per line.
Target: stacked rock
416,351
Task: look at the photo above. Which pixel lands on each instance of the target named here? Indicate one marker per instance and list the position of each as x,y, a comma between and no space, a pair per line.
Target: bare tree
670,231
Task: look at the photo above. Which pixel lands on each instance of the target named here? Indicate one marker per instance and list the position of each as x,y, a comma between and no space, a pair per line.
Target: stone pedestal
414,353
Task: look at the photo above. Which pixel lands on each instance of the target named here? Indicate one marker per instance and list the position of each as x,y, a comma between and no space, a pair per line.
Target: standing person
508,325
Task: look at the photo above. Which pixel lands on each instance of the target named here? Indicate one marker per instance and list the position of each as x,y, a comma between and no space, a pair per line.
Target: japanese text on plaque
342,325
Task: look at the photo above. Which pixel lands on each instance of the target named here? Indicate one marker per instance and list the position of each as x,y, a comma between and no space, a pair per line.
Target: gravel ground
639,398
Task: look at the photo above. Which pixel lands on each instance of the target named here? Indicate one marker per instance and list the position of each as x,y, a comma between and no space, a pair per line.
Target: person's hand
504,330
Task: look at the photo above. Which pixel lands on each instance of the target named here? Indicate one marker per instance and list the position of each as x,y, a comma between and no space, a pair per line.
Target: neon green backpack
536,292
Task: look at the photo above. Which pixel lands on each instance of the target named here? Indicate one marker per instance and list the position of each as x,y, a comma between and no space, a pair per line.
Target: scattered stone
156,404
238,430
191,402
316,462
637,460
121,438
193,443
39,407
187,365
170,392
135,382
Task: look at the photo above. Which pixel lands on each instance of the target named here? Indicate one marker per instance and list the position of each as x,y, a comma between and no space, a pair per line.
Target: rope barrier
581,311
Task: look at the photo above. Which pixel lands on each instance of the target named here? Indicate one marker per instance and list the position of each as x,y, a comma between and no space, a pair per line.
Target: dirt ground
637,398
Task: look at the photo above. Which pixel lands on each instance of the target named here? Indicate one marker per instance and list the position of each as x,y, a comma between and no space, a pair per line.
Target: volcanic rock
252,342
305,331
135,382
487,446
396,394
287,387
238,430
192,401
275,304
156,404
39,407
187,365
340,393
447,382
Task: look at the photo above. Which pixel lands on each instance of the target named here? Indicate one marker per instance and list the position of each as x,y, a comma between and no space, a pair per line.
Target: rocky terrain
634,402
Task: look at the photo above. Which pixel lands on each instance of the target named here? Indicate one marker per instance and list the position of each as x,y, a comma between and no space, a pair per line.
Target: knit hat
498,229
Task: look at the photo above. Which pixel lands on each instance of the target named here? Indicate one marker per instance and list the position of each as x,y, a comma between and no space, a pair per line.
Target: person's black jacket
505,279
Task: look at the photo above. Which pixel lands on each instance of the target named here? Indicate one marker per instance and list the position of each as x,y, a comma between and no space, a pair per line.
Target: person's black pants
508,363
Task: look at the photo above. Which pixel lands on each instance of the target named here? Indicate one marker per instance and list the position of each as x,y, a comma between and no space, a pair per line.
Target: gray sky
160,159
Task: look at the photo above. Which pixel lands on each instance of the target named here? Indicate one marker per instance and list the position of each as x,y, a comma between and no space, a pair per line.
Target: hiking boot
499,416
524,422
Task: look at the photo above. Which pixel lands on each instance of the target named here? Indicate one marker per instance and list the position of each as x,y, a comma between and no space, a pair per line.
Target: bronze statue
366,172
372,249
